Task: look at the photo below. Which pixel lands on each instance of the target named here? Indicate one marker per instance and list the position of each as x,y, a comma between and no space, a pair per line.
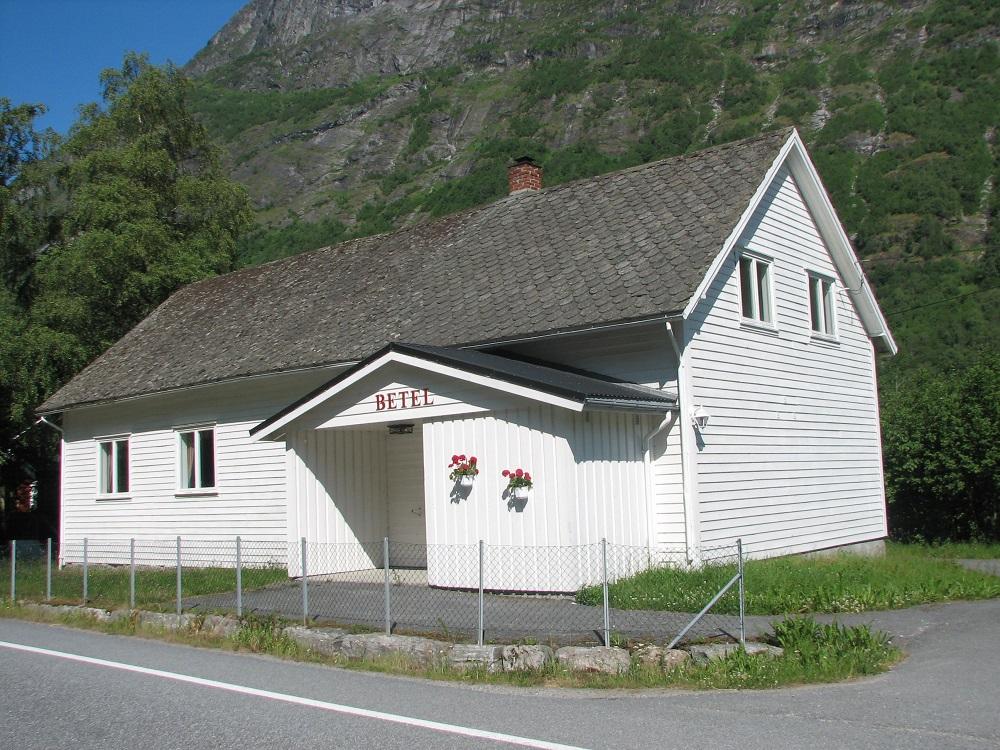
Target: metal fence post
178,576
604,577
131,573
305,585
13,571
239,578
385,565
48,569
743,626
482,623
86,571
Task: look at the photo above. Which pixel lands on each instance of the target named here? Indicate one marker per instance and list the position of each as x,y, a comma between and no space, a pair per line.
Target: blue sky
52,51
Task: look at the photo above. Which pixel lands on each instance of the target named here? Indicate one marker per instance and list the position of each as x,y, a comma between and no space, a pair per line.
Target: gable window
821,305
112,466
755,289
196,453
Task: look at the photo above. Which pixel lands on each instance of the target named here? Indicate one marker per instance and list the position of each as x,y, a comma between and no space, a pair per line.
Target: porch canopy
382,389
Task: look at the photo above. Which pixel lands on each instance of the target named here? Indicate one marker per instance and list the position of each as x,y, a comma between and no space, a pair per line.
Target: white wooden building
578,331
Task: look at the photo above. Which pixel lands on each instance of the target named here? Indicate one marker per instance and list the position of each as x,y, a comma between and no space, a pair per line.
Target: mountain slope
353,117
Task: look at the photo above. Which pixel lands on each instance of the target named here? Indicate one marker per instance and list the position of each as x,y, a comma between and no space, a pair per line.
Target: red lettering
402,398
379,402
415,398
427,397
392,400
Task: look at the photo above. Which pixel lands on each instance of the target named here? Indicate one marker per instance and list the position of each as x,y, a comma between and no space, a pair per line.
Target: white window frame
821,293
114,492
761,315
199,488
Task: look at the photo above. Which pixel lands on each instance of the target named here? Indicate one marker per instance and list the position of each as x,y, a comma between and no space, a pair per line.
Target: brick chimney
524,174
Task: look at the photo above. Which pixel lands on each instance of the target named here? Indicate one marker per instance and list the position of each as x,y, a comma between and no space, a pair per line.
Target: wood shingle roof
621,246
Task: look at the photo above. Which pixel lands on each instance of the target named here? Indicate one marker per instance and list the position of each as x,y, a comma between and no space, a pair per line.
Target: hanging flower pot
518,483
463,470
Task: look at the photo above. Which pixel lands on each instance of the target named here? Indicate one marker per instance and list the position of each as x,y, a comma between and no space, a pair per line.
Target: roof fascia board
713,270
830,228
391,356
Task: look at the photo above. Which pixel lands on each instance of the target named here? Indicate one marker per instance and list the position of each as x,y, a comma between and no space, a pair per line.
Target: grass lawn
907,575
108,586
958,550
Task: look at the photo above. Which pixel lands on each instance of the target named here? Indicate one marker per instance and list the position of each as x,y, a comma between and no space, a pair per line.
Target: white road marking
436,726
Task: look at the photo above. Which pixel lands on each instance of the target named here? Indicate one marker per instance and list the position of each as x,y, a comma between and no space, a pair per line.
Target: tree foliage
98,232
942,453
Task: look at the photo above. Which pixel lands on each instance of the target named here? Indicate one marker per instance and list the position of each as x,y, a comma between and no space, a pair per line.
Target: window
821,305
112,466
755,289
197,458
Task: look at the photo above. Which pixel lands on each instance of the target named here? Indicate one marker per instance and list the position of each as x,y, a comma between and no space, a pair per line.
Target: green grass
907,575
960,550
813,654
108,586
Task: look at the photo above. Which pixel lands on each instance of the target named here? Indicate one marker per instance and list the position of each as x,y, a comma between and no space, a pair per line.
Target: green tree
133,205
941,440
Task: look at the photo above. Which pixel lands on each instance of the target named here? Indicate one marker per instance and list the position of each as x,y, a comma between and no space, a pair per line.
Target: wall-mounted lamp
401,429
700,418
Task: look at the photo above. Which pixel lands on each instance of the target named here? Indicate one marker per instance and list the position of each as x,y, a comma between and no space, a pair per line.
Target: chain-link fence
593,593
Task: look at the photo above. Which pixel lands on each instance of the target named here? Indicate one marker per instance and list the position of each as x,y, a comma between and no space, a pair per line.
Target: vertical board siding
249,499
791,460
337,498
668,489
589,482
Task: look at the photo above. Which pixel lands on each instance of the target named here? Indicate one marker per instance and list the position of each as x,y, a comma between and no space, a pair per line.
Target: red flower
519,473
527,476
505,473
472,460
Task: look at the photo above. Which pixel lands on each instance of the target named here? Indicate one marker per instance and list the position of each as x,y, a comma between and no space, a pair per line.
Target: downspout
675,334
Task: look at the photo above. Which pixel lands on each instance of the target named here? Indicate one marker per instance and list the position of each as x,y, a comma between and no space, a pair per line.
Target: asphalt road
945,695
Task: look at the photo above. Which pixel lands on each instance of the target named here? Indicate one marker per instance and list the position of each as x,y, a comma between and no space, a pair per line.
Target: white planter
520,493
466,480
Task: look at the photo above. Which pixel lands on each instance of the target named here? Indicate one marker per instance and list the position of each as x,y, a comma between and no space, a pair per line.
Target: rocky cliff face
301,44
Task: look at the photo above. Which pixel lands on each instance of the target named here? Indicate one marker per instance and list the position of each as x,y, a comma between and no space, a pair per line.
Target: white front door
405,491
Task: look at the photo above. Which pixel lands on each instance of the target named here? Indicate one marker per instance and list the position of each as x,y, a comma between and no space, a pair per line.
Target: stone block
596,659
422,651
658,657
522,658
321,640
707,652
465,657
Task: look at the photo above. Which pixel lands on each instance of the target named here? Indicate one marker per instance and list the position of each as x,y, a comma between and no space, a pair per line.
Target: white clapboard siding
636,354
249,498
791,459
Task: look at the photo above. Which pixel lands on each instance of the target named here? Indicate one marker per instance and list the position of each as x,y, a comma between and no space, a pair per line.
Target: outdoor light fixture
401,429
700,418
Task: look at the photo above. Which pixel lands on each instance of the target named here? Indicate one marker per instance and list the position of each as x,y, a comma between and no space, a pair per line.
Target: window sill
113,498
206,492
825,339
758,326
